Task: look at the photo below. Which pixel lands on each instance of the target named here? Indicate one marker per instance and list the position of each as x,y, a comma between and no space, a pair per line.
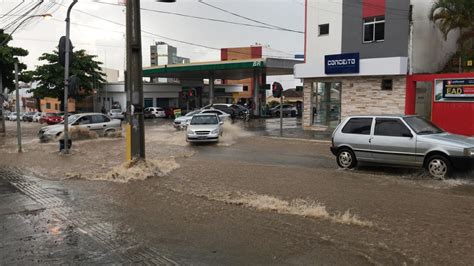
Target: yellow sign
469,63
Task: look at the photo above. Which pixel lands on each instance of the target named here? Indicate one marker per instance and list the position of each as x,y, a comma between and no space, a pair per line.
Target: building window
374,29
48,105
323,29
387,84
246,88
56,106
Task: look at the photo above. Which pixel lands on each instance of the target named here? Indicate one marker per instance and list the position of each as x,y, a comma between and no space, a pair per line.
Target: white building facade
359,52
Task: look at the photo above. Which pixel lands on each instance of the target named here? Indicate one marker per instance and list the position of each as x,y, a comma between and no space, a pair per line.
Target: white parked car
37,116
12,116
154,112
116,114
204,128
182,121
222,115
97,122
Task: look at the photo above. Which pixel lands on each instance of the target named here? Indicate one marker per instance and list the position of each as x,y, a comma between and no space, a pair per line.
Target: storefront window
326,104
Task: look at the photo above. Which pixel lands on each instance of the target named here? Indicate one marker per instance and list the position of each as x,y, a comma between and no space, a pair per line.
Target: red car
51,118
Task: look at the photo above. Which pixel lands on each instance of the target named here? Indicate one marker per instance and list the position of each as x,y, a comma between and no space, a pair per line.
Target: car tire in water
439,166
346,158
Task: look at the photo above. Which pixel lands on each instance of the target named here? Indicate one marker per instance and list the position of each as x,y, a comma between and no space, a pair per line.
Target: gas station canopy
230,70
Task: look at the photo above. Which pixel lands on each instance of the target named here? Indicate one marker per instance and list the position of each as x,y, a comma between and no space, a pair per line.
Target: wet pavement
292,128
248,200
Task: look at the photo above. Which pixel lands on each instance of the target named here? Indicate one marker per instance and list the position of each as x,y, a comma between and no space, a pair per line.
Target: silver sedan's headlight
215,131
469,152
189,131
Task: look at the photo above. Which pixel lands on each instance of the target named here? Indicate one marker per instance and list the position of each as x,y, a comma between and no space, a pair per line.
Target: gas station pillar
256,89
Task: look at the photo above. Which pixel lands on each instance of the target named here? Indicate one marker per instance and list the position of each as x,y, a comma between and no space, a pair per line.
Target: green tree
51,75
8,56
452,15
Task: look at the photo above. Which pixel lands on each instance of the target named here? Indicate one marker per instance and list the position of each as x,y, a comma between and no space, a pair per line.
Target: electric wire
247,18
161,36
18,21
19,14
205,18
11,10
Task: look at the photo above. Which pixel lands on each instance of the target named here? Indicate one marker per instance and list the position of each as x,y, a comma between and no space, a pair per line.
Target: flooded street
251,199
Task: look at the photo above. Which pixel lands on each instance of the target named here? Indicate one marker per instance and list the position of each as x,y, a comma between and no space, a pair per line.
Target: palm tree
455,14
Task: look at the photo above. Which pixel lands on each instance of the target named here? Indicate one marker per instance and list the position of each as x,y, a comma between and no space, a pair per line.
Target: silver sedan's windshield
422,126
204,120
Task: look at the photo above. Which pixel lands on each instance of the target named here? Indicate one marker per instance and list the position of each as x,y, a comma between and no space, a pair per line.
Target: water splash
299,207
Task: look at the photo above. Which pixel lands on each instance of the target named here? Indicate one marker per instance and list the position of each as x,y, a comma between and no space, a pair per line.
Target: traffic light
62,51
276,89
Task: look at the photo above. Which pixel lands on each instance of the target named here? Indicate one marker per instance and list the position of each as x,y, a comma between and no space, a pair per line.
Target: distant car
222,115
11,116
182,121
204,128
28,116
37,116
288,110
239,111
97,122
401,140
154,112
116,114
51,118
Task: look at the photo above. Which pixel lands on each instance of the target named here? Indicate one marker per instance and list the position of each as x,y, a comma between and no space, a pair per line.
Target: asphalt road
250,200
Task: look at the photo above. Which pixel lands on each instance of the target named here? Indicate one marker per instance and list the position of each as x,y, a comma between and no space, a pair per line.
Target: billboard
454,90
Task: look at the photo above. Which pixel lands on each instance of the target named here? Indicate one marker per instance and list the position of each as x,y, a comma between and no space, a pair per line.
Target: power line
17,20
205,18
159,36
247,18
6,14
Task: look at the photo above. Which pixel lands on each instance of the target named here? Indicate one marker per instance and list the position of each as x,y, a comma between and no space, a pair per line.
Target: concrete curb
299,139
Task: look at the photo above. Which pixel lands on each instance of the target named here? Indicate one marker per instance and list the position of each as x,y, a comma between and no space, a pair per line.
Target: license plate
202,137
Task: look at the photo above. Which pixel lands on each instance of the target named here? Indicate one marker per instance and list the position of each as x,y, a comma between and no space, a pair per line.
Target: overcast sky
106,40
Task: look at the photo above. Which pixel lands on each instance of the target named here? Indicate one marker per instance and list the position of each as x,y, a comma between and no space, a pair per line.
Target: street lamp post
17,107
16,83
66,80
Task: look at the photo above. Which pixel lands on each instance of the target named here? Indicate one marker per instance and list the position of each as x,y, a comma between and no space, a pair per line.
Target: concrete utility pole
135,129
2,99
17,107
66,80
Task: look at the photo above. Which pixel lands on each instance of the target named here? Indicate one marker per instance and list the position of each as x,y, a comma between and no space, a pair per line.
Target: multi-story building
162,53
358,54
238,53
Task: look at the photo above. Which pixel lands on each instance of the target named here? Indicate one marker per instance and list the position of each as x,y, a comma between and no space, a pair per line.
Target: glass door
326,104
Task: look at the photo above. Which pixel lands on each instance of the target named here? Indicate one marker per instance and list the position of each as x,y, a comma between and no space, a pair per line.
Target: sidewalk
292,128
38,227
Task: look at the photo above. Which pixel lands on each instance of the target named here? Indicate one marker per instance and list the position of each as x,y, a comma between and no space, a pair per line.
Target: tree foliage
8,56
452,15
51,75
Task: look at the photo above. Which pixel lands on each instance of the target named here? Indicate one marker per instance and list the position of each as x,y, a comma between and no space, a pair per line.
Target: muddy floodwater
249,199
